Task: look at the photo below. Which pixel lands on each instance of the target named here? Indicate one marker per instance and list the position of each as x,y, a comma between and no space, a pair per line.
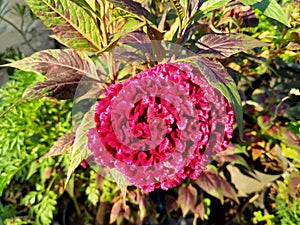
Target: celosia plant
161,126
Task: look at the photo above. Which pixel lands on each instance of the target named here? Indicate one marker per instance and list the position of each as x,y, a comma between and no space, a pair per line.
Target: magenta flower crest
161,126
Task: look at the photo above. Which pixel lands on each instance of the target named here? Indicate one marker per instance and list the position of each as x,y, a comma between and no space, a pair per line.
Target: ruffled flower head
161,126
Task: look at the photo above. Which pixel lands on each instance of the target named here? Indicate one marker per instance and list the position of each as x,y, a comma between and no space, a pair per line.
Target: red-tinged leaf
135,8
64,70
58,87
219,78
228,190
119,210
71,24
210,182
225,45
231,156
130,26
61,146
289,138
142,201
187,198
56,62
199,210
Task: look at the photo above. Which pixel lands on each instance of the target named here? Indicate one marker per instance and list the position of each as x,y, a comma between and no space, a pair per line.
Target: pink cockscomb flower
161,126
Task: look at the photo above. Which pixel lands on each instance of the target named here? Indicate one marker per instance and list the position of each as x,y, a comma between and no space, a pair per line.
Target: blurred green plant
27,133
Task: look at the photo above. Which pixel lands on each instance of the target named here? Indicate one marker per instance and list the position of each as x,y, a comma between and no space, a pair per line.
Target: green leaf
134,8
222,46
179,9
71,24
121,181
130,26
80,149
211,5
269,8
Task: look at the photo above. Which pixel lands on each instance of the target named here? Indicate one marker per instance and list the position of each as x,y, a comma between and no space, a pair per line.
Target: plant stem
20,32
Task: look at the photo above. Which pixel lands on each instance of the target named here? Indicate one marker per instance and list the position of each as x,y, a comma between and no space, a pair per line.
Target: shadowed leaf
58,87
199,210
119,210
222,46
211,182
71,24
269,8
187,198
294,185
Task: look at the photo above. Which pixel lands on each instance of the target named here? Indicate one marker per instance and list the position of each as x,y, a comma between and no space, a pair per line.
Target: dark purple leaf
187,198
225,45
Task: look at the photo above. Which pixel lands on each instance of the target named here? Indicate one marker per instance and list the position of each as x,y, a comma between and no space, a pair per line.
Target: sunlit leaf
187,198
130,26
64,69
269,8
135,8
179,9
57,62
71,24
80,149
225,45
210,5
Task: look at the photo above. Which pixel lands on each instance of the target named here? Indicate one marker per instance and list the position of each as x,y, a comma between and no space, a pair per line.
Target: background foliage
257,43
